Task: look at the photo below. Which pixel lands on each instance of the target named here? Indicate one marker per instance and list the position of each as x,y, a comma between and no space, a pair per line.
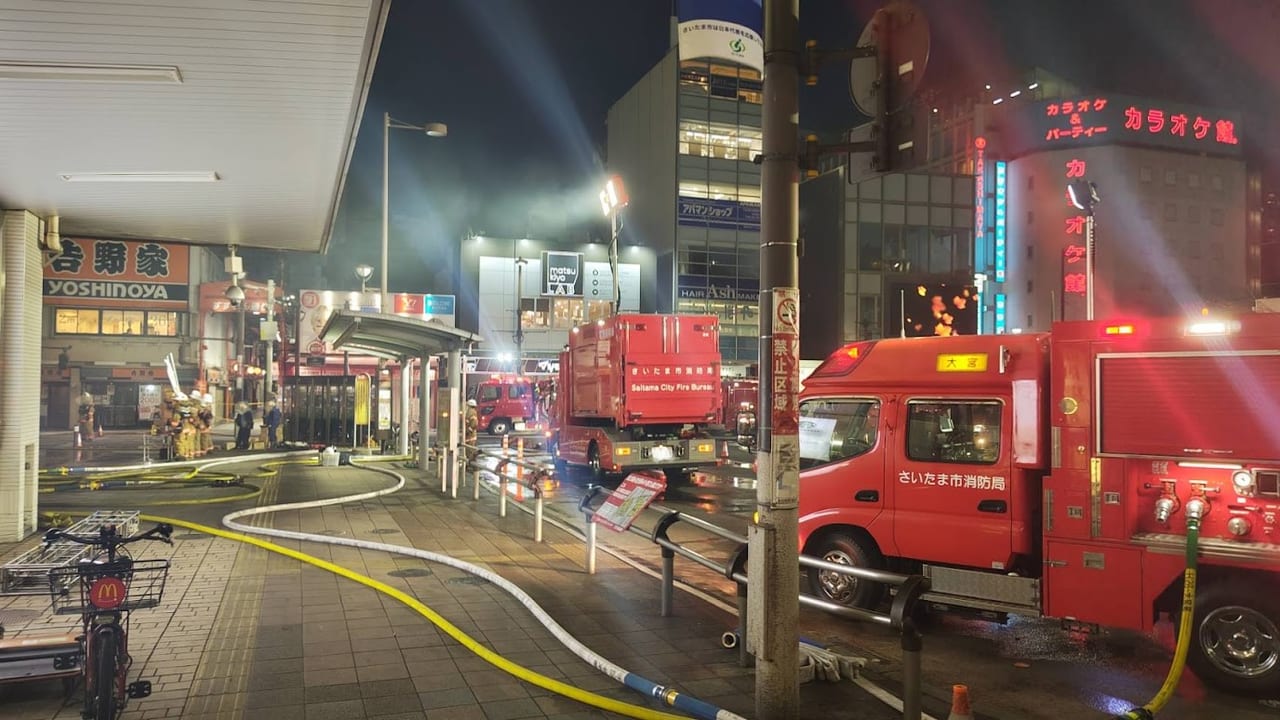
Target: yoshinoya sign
561,273
725,214
118,273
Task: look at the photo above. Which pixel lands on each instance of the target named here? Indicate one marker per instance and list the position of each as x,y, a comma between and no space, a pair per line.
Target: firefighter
472,426
205,416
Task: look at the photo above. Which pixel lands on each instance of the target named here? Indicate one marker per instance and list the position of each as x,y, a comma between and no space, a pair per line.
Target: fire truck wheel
1236,645
846,549
499,426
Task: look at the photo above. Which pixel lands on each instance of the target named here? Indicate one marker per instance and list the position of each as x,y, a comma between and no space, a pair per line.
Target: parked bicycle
103,590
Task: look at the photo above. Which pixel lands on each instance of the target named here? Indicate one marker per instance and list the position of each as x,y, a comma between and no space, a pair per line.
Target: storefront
114,309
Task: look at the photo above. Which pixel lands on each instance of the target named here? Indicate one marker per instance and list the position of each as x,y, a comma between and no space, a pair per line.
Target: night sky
525,86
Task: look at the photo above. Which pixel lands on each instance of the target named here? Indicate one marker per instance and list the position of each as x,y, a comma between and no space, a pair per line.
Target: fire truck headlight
1239,526
1243,480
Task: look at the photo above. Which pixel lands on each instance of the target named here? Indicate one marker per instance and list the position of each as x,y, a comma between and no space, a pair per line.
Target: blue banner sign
724,214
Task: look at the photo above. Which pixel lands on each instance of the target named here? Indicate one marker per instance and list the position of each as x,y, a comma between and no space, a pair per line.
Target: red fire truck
1055,474
738,408
511,402
638,391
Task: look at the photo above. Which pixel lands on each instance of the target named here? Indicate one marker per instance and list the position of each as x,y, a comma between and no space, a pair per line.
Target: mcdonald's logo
106,593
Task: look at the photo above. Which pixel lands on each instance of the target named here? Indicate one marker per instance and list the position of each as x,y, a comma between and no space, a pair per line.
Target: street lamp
520,263
434,129
1084,195
364,272
612,199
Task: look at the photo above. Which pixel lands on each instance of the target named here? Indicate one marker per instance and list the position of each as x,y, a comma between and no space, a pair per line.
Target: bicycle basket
97,587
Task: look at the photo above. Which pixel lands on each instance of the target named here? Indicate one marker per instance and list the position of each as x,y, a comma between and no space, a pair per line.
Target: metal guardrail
910,588
528,475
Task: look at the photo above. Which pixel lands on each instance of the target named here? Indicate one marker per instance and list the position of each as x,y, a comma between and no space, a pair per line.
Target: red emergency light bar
1118,330
844,360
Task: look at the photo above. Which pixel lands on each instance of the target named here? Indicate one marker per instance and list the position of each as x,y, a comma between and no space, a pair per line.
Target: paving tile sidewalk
248,634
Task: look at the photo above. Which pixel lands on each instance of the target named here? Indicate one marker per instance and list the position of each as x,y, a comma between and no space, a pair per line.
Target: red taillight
844,360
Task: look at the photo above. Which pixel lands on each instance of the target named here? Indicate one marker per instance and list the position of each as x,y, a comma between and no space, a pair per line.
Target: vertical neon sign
980,202
1001,322
1002,169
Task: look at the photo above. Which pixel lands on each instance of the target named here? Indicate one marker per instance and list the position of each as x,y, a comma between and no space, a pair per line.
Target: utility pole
773,559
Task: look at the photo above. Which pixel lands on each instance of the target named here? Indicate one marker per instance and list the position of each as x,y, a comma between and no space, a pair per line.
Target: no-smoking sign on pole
784,411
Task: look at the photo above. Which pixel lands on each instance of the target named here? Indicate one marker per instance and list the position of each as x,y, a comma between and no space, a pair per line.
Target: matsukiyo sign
561,273
118,273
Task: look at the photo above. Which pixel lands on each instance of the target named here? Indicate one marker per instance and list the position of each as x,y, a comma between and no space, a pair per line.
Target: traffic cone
960,703
724,454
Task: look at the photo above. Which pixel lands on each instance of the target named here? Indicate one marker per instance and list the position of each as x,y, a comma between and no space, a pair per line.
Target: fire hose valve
1165,507
1196,508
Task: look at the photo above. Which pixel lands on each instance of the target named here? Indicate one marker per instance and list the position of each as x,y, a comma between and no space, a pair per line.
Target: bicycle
108,589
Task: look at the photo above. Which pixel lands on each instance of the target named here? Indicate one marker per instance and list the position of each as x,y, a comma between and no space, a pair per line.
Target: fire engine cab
1056,474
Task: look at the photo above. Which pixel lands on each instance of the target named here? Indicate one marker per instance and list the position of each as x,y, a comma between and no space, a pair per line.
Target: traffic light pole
773,563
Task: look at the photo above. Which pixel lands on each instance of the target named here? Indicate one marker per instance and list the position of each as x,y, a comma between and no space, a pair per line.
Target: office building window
723,81
1144,174
718,140
1170,177
720,191
1216,216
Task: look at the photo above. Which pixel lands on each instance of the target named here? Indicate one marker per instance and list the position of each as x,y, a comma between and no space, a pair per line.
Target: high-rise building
683,139
1175,229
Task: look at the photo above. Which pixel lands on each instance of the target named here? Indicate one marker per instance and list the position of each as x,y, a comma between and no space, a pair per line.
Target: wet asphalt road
1027,669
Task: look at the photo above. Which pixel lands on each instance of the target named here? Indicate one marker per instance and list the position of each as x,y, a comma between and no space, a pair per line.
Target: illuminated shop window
83,321
122,322
162,323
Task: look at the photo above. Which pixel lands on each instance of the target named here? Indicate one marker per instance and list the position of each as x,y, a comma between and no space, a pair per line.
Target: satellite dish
904,29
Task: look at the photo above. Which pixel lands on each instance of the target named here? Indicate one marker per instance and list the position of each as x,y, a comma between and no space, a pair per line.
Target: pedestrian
272,421
472,426
244,425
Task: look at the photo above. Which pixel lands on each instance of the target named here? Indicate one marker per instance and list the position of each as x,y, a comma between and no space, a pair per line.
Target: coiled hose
683,703
1185,627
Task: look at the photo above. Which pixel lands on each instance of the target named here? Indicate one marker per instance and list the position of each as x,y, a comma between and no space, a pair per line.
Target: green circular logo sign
737,45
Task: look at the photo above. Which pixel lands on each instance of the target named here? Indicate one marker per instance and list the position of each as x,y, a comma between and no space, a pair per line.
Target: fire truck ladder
28,574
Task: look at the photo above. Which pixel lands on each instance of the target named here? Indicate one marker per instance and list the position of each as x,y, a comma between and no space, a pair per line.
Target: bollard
146,449
441,466
668,580
77,441
475,485
591,547
911,647
744,658
458,469
537,518
520,469
506,444
502,495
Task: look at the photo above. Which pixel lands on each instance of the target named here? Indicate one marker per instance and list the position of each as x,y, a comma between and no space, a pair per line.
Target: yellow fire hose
498,661
1195,510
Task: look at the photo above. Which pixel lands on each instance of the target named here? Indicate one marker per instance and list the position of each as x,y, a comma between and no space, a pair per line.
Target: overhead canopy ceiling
267,94
393,336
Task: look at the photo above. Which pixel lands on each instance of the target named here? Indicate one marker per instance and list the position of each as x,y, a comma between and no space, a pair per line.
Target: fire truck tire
499,426
845,548
1236,646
